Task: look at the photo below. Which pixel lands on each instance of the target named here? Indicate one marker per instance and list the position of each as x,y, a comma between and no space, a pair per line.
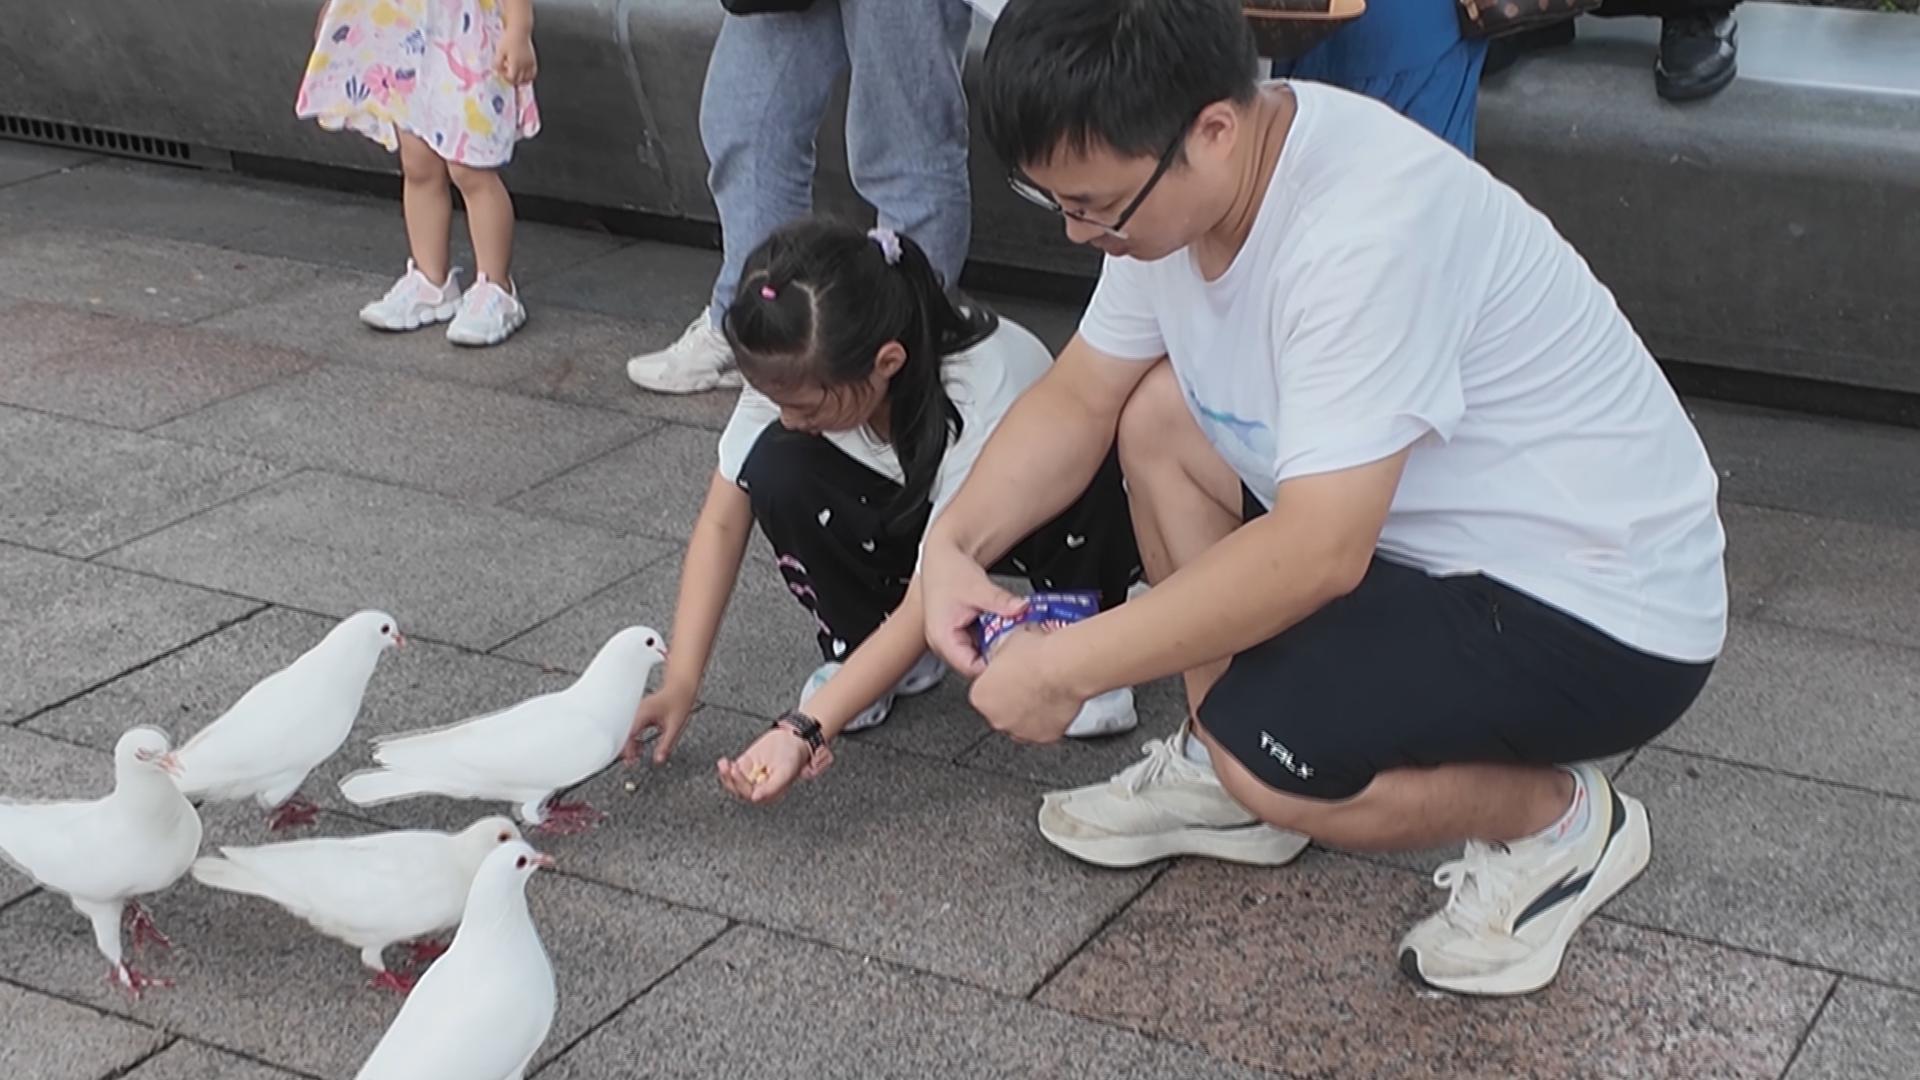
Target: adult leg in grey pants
767,89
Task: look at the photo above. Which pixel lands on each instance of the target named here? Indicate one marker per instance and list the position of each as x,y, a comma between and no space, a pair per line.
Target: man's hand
955,593
1020,693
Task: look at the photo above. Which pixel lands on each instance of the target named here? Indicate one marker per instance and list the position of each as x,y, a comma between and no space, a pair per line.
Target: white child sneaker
1513,908
925,674
488,315
700,360
414,302
1109,714
1159,807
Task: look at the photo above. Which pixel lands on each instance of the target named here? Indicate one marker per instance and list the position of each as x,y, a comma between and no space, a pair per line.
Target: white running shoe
414,302
1111,713
488,315
700,360
925,674
1513,909
1159,807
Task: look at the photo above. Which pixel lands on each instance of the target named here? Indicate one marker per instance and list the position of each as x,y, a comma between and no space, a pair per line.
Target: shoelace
1480,882
1159,760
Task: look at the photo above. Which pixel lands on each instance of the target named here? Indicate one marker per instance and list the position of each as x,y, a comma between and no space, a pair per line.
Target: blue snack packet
1049,610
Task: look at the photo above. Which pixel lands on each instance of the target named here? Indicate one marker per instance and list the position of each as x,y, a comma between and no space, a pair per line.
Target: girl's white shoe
488,315
414,302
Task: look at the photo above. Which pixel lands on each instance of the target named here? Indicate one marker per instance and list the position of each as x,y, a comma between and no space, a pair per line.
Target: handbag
1285,29
1498,18
764,7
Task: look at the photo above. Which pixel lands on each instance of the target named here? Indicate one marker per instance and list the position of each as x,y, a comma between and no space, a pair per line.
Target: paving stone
1857,579
648,281
48,1039
1835,469
255,980
653,486
35,768
149,379
31,332
422,685
889,855
1763,547
164,280
20,161
1792,868
729,1012
1294,970
80,489
764,654
160,201
189,1061
448,571
601,381
1813,704
1867,1033
70,626
324,319
457,440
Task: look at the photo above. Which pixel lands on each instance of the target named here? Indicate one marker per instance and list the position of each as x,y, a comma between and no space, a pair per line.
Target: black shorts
1411,670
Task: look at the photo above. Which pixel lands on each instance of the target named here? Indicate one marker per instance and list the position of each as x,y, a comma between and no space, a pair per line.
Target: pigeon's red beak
399,640
543,861
168,762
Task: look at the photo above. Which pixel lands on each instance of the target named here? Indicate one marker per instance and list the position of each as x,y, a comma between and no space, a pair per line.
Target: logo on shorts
1279,752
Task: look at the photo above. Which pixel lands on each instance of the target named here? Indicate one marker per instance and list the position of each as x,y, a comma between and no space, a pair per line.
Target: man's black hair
1072,74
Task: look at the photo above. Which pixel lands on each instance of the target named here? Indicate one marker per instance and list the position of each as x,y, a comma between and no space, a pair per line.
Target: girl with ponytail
869,393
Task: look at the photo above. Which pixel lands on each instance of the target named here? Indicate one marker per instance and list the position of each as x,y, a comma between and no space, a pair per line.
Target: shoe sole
1252,845
1627,860
1671,91
724,381
428,317
483,342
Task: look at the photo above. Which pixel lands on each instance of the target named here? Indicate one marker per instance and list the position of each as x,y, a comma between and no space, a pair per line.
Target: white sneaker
925,674
488,315
1160,807
700,360
414,302
1513,909
1111,713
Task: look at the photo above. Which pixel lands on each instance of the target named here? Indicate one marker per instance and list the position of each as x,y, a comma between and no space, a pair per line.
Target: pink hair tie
767,293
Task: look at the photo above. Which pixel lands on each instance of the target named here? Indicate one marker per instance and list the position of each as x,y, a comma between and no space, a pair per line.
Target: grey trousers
767,89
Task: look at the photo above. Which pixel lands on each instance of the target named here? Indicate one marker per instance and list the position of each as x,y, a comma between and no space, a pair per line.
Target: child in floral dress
449,85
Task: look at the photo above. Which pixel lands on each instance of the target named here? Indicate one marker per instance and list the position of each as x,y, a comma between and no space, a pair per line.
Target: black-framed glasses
1044,199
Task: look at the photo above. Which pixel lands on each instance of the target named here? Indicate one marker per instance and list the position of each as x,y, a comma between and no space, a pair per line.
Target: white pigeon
368,891
104,853
265,745
482,1010
525,753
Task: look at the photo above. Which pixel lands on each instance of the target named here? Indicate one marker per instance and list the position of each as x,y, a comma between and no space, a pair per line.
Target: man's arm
1313,548
1043,455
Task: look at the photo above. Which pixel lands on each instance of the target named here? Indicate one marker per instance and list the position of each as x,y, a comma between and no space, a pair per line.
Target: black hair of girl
835,301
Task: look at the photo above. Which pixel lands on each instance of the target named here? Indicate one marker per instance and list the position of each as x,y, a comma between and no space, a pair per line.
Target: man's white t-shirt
1393,294
983,381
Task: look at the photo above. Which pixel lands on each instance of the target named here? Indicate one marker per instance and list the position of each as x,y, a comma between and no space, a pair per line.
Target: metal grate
100,140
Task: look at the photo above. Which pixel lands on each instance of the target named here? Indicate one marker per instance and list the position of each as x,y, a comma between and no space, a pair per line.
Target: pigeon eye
504,838
522,863
386,628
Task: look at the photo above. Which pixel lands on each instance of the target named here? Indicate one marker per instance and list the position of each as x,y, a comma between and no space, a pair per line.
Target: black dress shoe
1696,55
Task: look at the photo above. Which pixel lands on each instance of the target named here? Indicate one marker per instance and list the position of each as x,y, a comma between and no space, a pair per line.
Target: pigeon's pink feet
566,819
295,813
425,952
399,984
133,982
139,922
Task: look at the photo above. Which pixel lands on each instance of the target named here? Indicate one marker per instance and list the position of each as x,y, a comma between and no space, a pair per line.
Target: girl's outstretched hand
768,768
516,61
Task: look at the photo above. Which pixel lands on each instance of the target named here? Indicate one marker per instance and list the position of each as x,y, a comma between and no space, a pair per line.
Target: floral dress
426,67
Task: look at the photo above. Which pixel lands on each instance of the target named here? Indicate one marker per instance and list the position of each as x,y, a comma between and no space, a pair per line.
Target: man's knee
1153,411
